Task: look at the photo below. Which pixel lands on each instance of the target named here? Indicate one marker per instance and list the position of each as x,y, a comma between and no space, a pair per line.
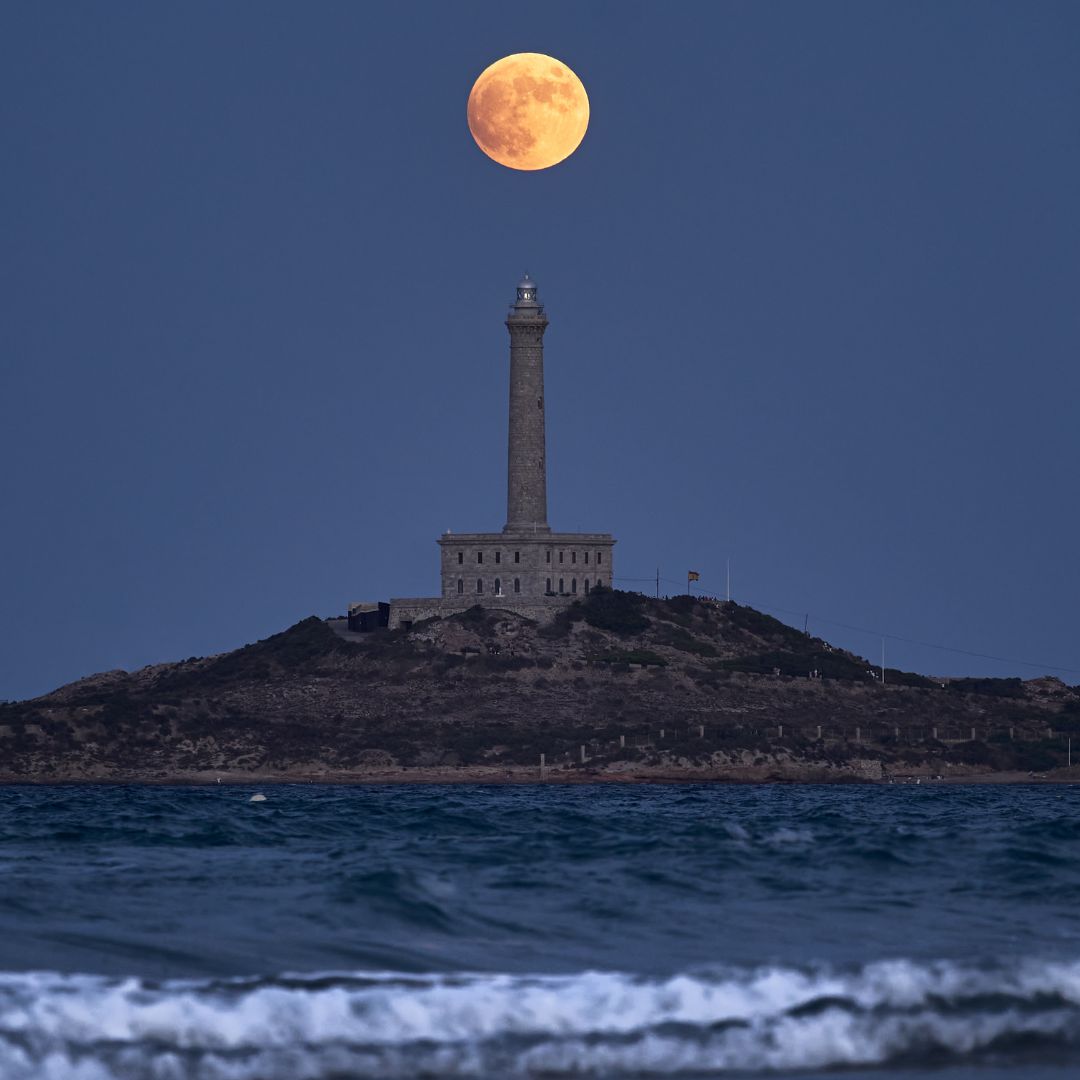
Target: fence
687,737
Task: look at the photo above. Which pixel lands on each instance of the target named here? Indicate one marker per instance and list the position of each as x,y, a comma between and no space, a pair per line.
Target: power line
942,648
897,637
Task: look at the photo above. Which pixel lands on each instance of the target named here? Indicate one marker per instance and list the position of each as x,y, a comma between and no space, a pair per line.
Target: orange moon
528,111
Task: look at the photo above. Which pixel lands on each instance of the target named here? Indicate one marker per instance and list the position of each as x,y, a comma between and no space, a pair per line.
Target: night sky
813,279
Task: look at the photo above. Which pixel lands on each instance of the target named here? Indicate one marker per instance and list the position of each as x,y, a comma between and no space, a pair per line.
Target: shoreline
482,776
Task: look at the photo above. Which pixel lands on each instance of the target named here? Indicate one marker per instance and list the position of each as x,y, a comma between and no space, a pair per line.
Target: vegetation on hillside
634,679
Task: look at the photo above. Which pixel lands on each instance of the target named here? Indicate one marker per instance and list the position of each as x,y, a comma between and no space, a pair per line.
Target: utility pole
882,661
658,583
729,581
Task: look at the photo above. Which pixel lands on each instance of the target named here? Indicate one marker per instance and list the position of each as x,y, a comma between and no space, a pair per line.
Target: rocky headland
618,687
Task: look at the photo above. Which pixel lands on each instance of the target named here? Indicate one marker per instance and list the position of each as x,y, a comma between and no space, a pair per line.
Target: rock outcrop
619,687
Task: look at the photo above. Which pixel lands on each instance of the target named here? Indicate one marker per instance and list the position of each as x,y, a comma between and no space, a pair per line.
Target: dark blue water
539,931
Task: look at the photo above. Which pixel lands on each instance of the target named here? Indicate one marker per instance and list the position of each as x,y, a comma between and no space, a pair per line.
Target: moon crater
528,111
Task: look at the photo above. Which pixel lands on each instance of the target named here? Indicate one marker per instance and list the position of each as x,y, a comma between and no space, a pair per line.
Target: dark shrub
678,638
894,677
305,643
760,624
681,605
633,656
1007,688
559,627
832,665
1035,756
476,619
614,610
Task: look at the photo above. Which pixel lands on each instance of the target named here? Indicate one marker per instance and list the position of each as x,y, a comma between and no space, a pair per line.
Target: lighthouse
526,467
527,568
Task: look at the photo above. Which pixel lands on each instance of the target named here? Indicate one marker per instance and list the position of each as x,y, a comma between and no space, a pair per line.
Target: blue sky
812,279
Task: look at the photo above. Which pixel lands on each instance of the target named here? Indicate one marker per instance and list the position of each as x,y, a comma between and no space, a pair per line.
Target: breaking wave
706,1023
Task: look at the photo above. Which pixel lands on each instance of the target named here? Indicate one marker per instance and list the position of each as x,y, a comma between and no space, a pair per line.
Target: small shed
365,616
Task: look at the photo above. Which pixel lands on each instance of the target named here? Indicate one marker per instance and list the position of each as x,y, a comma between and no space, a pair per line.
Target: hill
639,688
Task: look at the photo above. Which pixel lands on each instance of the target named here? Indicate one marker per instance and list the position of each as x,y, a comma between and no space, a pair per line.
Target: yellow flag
693,575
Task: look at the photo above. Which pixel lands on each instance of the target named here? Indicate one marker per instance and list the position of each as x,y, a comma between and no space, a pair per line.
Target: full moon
528,111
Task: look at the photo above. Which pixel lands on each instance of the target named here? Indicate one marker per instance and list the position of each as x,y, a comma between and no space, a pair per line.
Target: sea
842,932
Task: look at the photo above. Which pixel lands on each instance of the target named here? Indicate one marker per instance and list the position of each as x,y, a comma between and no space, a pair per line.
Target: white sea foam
736,831
58,1027
790,836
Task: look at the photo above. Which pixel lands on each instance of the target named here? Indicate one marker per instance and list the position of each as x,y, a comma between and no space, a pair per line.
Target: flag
692,575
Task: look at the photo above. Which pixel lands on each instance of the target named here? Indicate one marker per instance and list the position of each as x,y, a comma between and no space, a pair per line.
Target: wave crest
63,1027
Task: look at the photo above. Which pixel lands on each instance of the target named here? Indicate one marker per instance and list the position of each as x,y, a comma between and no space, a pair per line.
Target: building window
573,585
586,558
517,556
573,556
460,586
548,585
598,560
517,584
560,556
460,557
498,557
479,585
562,588
548,556
498,586
586,586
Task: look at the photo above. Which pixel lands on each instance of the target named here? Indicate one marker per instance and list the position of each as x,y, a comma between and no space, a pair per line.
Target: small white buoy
257,798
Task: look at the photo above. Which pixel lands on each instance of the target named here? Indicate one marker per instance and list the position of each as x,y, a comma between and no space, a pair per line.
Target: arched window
517,584
548,585
573,585
460,585
479,585
562,588
498,586
586,586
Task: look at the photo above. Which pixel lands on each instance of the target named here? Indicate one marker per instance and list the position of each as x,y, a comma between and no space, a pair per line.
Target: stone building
527,567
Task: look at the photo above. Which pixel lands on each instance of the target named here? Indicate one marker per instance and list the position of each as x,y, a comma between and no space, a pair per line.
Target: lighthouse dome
527,293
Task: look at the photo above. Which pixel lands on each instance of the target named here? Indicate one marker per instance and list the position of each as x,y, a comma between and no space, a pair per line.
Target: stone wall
413,610
523,566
